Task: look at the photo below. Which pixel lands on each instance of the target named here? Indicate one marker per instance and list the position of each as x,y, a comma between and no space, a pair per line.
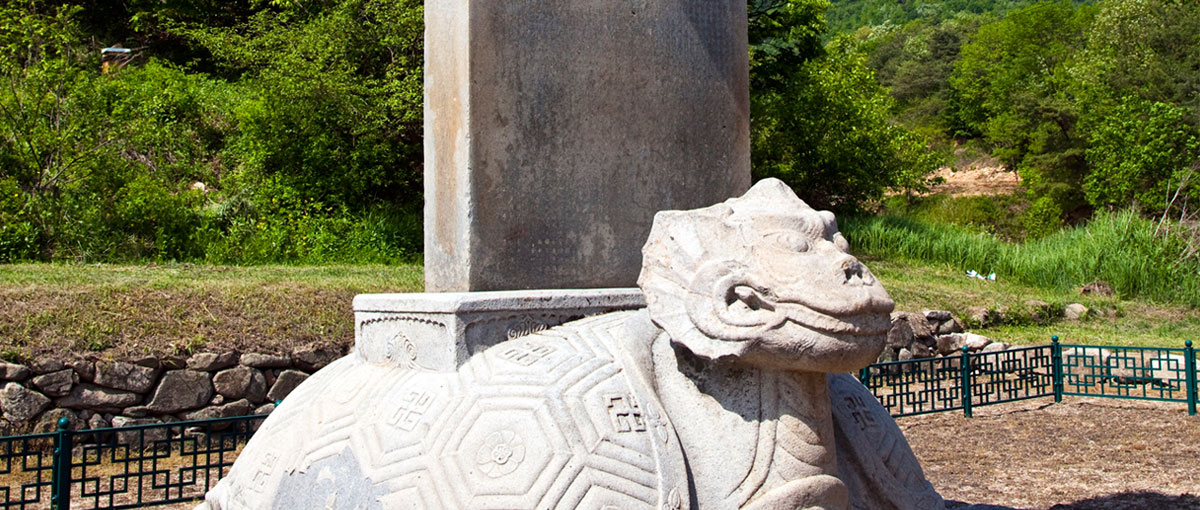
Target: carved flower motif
659,425
501,453
410,351
674,500
526,326
399,345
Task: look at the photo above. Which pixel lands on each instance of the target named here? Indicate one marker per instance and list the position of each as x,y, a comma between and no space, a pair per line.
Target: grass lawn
916,287
128,311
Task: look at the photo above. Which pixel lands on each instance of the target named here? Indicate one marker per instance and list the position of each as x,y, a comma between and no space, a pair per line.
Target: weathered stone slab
56,384
144,438
975,342
239,382
257,360
1075,311
13,372
48,421
136,412
181,390
287,381
85,368
949,326
97,421
148,361
125,376
315,356
994,347
950,344
98,398
21,404
555,129
236,408
210,362
46,365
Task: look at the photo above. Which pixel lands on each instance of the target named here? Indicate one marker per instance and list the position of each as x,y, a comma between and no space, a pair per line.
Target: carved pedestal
440,331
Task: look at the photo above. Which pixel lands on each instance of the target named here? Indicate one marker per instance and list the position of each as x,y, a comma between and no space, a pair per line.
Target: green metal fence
966,381
147,465
118,468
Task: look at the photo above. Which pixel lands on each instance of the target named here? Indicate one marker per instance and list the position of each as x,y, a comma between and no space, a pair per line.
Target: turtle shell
553,419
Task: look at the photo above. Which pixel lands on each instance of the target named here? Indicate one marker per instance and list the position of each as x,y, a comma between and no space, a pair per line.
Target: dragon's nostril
853,271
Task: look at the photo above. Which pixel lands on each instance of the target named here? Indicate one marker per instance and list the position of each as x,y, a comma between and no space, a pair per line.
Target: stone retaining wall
95,393
932,333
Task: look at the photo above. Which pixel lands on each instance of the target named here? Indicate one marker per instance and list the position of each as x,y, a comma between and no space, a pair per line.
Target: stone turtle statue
728,390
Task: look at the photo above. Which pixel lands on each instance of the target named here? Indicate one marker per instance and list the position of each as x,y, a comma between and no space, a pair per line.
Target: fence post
1057,368
1190,365
966,382
864,374
60,482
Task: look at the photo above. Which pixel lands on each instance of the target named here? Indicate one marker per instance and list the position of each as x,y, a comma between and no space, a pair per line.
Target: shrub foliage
252,131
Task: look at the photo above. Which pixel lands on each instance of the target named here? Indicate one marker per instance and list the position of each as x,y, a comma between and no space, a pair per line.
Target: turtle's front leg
817,492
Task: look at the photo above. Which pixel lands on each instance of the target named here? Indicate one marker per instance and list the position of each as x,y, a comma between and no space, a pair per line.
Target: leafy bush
1012,87
158,224
18,234
330,99
291,228
1043,218
310,152
826,132
1144,152
993,214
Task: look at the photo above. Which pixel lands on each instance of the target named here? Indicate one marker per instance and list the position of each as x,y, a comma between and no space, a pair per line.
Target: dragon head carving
763,279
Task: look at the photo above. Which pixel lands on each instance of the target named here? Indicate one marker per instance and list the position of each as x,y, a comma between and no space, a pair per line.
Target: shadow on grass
1140,500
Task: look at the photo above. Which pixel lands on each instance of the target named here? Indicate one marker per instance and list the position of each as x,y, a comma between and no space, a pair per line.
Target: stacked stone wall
99,393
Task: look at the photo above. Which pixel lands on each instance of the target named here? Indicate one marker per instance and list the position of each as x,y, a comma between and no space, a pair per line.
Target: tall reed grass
1129,252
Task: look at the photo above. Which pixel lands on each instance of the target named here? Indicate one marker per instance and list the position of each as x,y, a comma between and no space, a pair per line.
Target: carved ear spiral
727,303
719,314
695,317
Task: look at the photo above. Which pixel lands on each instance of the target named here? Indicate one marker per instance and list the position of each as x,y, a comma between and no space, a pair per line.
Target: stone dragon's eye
791,241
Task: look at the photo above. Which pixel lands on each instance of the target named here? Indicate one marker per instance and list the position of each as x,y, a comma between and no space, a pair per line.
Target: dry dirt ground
1081,454
985,177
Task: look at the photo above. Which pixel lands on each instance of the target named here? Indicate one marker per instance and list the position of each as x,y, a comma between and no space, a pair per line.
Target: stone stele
727,389
555,129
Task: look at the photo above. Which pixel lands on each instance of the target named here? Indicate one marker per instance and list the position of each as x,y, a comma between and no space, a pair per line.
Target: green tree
784,34
48,141
326,130
1143,152
331,99
100,166
1136,84
1144,48
848,15
1011,86
825,130
914,63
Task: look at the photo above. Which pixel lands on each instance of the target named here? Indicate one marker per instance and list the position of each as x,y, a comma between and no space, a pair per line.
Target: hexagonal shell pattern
546,420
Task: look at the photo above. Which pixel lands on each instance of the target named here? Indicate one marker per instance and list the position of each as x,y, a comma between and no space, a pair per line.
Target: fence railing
969,380
145,465
116,468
